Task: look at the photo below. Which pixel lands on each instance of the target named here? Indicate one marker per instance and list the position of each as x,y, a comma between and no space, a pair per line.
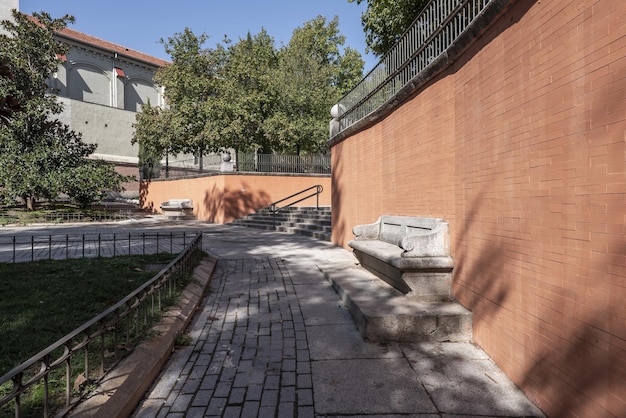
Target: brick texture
521,146
224,198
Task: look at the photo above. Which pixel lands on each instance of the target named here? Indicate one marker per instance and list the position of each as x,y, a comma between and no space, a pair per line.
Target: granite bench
412,254
177,208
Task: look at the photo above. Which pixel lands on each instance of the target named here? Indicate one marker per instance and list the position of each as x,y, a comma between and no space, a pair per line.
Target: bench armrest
367,231
433,243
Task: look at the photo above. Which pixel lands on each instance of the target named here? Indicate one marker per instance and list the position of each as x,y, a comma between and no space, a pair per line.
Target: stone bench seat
178,208
412,254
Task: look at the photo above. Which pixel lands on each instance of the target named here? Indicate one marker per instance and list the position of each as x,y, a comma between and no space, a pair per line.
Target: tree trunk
29,202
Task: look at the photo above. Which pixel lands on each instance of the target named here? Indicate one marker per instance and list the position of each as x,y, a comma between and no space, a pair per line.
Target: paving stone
270,397
250,409
384,386
274,340
181,403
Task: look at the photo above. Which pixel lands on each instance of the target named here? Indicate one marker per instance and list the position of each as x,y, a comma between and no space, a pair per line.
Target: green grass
42,301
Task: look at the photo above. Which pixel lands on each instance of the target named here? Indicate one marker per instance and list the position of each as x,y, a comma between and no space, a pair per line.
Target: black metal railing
103,340
25,248
436,28
61,217
282,163
274,207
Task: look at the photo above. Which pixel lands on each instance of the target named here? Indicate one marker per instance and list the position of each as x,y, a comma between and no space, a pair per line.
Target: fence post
32,248
14,249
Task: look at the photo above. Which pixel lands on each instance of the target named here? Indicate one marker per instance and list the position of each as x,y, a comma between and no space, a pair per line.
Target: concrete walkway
273,339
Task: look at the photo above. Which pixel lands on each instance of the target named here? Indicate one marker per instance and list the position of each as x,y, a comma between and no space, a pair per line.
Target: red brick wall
223,198
521,145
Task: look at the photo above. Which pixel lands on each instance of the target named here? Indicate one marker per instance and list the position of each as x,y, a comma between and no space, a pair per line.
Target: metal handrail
273,208
123,321
437,28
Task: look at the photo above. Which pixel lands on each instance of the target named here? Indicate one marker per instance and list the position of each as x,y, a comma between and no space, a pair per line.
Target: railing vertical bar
68,380
102,350
46,403
87,365
49,247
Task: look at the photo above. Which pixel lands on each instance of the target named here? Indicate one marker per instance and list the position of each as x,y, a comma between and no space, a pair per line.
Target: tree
40,157
244,97
312,74
189,83
155,137
384,21
247,95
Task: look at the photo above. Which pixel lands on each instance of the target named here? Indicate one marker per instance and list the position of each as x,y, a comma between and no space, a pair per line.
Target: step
383,314
308,221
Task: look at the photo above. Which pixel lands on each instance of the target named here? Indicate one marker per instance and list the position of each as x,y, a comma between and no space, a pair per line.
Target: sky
140,24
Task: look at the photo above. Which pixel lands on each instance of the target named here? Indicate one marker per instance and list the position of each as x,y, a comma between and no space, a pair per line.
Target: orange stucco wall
521,146
223,198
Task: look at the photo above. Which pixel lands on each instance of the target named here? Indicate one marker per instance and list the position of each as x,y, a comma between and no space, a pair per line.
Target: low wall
520,145
223,198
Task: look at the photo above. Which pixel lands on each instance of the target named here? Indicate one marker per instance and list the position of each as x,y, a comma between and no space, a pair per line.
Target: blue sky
139,24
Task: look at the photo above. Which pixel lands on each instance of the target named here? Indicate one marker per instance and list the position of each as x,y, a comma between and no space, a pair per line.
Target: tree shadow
484,292
337,220
144,187
223,205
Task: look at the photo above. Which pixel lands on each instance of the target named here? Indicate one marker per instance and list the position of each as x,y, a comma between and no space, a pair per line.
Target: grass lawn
43,301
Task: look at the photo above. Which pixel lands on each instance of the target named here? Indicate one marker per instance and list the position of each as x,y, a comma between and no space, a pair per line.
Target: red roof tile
108,46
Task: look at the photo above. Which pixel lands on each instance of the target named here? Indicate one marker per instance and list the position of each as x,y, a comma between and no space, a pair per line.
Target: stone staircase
304,220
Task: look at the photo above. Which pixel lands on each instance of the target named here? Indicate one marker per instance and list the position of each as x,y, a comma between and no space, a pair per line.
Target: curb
123,388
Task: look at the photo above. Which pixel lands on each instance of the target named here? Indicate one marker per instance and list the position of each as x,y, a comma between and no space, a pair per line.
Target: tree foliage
40,157
249,95
384,21
311,76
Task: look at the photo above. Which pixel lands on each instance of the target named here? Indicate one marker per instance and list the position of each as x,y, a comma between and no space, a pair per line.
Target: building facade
102,86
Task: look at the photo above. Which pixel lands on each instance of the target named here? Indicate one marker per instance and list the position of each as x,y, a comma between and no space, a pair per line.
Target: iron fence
281,163
62,217
432,32
102,340
25,248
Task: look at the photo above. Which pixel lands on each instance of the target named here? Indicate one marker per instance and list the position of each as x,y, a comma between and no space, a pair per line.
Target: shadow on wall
581,371
143,194
338,221
223,206
595,367
487,291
